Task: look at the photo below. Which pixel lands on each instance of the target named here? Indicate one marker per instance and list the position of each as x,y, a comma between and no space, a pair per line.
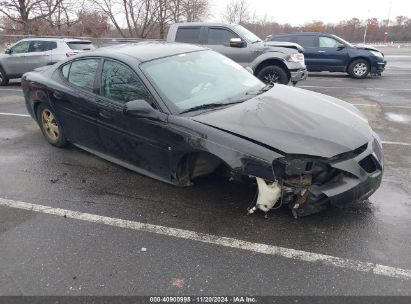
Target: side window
42,46
328,42
188,34
22,47
307,41
282,38
220,36
82,73
51,45
121,84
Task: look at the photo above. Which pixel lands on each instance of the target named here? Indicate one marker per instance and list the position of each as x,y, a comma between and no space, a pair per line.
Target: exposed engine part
268,195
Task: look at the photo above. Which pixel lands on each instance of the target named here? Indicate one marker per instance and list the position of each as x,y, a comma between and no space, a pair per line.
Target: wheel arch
195,164
356,58
272,61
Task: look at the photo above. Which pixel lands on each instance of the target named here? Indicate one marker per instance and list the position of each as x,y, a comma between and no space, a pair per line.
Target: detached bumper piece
312,185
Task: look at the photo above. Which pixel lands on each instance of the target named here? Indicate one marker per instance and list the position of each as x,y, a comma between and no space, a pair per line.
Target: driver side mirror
237,42
140,109
7,51
340,46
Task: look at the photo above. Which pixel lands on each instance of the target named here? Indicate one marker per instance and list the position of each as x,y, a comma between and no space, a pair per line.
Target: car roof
146,51
303,33
55,39
203,24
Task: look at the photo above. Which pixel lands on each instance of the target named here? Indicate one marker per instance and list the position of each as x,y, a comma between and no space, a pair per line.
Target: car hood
294,121
290,45
367,47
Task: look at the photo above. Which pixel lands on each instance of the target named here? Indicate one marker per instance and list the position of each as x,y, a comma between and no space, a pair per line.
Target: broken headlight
302,171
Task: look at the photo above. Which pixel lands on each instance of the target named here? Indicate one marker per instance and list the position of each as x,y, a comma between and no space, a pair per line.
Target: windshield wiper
210,106
260,91
256,41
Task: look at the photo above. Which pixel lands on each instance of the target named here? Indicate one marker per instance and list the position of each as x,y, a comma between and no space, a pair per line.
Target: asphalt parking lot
108,231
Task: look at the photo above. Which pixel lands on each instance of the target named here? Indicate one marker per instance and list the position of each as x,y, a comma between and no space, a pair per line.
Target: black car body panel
268,136
291,124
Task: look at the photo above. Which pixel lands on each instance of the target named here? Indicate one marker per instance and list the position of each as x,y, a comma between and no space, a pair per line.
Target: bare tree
25,12
237,11
140,15
193,10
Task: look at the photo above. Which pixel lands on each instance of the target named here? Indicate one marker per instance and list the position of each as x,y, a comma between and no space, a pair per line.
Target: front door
218,39
15,63
332,55
75,102
139,142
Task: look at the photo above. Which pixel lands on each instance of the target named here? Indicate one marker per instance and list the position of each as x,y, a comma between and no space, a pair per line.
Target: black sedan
175,112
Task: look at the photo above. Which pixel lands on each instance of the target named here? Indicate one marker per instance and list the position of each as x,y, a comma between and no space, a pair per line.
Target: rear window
80,45
307,41
303,40
188,34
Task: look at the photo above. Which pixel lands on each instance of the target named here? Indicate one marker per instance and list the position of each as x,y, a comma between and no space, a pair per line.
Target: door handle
321,51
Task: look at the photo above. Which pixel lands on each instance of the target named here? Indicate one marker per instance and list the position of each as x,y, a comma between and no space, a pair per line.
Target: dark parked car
325,52
176,112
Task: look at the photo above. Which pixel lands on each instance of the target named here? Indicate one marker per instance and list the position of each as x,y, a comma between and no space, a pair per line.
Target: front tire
4,80
273,74
359,69
50,127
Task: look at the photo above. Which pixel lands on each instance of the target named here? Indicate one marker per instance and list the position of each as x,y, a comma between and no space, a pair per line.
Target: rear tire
359,69
50,127
273,74
4,80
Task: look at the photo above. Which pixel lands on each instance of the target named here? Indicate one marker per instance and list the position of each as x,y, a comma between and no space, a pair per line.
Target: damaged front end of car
308,184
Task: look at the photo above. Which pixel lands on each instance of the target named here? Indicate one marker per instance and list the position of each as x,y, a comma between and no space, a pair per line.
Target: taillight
70,54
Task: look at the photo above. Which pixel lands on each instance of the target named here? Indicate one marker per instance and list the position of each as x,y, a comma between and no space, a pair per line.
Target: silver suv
30,53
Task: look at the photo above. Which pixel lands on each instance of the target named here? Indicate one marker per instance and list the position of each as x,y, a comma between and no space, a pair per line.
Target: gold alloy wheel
49,124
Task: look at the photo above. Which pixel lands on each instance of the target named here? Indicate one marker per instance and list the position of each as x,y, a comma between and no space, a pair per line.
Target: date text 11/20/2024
203,299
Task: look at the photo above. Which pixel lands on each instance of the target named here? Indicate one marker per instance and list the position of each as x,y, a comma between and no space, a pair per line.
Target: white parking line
382,106
17,90
14,114
289,253
395,143
352,88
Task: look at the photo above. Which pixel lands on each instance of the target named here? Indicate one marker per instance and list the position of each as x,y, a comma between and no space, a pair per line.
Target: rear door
75,102
218,39
310,45
140,142
189,34
332,56
39,53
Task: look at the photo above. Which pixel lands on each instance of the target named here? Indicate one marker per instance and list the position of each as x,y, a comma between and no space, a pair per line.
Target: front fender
242,155
272,55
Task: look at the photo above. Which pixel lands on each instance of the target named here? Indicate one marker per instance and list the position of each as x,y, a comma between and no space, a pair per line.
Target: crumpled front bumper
378,66
358,179
298,75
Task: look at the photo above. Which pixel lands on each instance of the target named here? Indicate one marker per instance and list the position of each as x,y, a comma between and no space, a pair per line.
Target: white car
30,53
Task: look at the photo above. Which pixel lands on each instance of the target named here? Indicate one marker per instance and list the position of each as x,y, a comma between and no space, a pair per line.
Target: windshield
200,78
243,32
343,41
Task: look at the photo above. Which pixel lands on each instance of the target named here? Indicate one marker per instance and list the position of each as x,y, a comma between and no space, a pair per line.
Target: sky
298,12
